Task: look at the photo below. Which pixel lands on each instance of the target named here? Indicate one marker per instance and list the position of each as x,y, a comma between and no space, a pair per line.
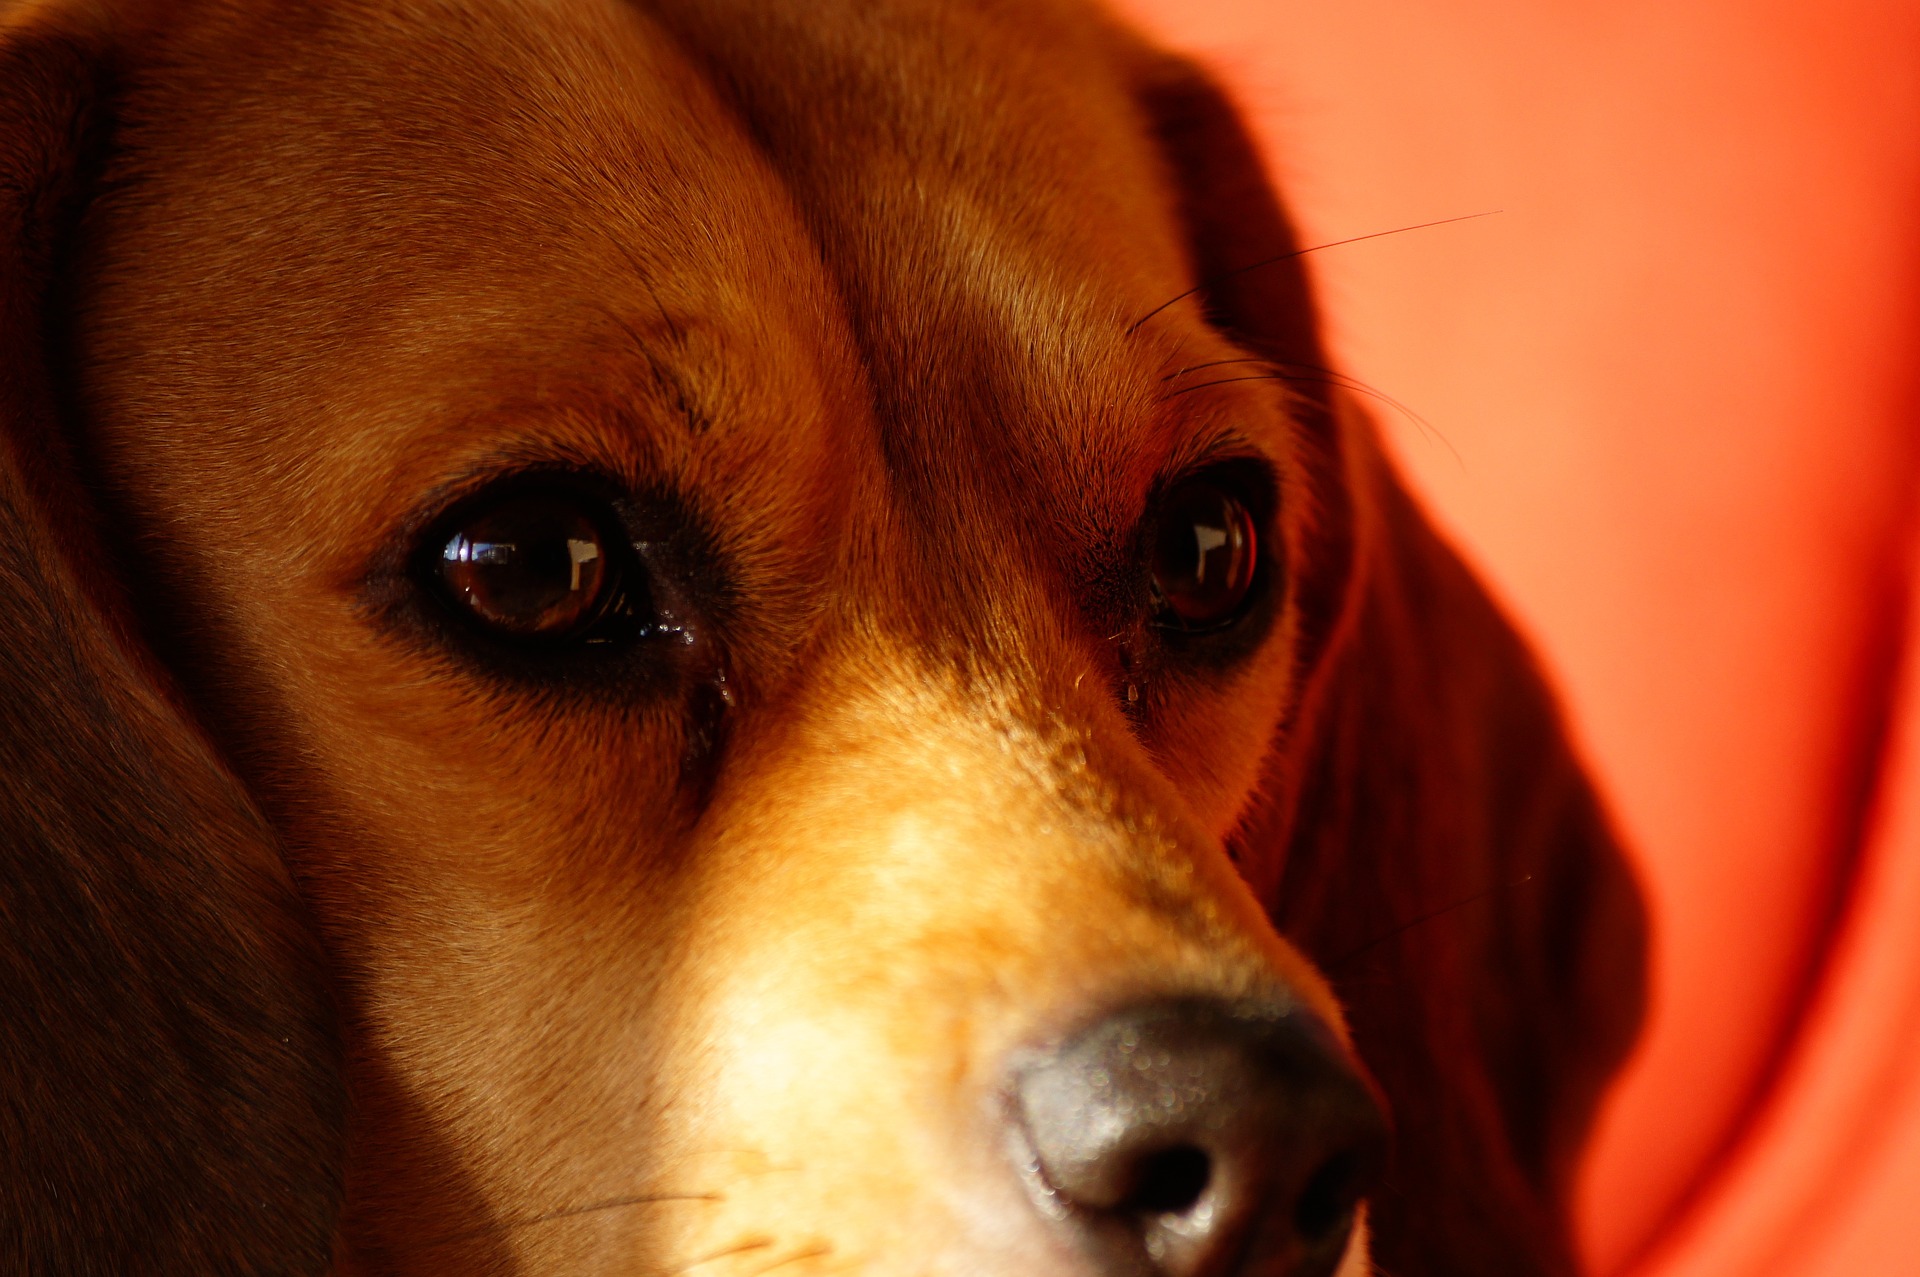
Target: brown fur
710,960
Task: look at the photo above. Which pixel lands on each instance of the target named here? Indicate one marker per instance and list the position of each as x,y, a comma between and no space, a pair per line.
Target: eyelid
1231,464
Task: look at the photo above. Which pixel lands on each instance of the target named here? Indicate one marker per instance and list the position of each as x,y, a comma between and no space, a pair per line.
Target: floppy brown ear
1425,832
170,1095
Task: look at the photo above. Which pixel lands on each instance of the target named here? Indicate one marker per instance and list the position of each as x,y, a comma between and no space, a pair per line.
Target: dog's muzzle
1196,1138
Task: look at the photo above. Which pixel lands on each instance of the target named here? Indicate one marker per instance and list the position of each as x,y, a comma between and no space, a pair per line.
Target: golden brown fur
709,960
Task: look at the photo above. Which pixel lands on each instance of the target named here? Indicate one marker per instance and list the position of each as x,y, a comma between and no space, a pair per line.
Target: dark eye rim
1252,482
615,619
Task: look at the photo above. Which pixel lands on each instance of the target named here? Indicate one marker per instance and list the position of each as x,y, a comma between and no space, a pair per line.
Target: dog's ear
170,1094
1424,831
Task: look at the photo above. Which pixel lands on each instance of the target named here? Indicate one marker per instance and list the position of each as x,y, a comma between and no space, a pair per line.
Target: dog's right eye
1204,554
539,567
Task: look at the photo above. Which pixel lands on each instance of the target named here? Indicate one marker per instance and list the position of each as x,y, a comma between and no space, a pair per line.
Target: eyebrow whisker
743,1248
1225,381
1337,966
661,377
646,282
1323,377
818,1250
1223,276
569,1212
1217,363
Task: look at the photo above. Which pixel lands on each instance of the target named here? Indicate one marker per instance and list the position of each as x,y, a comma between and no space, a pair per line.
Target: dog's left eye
1204,551
539,567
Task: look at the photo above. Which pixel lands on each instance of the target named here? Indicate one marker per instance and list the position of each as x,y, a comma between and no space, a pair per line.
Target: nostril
1170,1181
1329,1198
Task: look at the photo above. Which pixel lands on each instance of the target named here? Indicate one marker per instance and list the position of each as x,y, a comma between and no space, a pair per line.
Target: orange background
1672,409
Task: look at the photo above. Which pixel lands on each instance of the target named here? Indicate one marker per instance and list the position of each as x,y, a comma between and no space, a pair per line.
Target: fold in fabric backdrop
1667,399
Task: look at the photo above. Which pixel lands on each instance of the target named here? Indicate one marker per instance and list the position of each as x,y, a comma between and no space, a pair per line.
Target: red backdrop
1670,403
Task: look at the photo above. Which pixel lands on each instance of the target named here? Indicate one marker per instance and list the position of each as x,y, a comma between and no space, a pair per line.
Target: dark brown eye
534,566
1203,556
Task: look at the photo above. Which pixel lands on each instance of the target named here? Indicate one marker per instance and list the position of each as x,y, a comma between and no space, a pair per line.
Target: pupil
1204,555
535,567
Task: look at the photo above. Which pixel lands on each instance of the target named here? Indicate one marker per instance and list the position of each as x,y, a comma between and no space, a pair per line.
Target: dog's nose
1201,1139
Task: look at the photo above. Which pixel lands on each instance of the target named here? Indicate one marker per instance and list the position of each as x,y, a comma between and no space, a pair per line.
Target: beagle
732,636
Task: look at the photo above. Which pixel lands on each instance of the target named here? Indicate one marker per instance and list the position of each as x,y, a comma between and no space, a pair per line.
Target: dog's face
735,664
754,620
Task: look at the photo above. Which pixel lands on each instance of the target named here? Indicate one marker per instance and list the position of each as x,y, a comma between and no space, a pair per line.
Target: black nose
1202,1139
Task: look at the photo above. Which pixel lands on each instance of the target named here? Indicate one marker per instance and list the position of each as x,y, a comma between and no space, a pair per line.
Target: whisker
1424,426
660,306
1328,377
742,1248
646,282
569,1212
1209,282
1213,363
818,1250
661,378
1225,381
1334,968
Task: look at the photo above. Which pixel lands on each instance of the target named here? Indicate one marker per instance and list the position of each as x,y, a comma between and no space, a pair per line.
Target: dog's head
792,588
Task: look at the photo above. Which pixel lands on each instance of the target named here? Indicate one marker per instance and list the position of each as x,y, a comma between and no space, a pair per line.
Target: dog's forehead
988,197
352,243
932,222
